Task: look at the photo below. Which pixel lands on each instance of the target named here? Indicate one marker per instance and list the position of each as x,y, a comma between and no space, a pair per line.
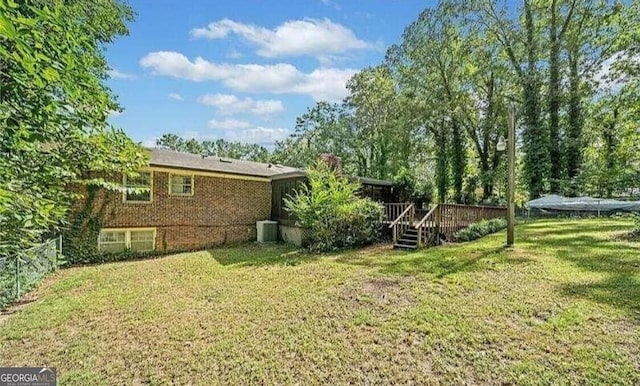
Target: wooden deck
414,228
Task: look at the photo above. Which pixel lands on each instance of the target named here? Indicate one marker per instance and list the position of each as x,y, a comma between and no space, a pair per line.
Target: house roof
174,159
363,180
373,181
178,160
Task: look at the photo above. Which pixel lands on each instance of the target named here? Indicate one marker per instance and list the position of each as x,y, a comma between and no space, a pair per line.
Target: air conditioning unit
267,231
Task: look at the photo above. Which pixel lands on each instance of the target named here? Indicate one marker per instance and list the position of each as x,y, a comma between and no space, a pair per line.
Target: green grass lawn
563,307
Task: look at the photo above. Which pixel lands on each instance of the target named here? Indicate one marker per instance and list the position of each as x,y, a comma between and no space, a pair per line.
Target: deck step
404,246
408,240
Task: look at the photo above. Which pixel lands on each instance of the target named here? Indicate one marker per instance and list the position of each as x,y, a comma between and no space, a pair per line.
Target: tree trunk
442,169
458,160
575,143
536,138
554,103
610,145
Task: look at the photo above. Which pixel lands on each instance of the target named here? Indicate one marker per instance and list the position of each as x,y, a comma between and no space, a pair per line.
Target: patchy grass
562,307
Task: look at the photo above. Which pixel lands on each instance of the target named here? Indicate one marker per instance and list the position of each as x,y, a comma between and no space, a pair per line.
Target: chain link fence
20,273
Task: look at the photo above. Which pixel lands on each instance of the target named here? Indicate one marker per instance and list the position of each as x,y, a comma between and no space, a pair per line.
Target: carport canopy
555,202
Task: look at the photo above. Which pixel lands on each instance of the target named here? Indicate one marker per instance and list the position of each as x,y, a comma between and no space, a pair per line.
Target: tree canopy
438,103
218,147
54,107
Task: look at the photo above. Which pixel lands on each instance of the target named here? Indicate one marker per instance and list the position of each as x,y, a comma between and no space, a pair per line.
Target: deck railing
393,210
444,220
425,237
403,222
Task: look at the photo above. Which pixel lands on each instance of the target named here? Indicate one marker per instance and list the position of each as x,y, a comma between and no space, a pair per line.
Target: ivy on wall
80,239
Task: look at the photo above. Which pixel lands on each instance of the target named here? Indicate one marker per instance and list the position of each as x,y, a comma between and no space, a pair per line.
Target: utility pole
511,194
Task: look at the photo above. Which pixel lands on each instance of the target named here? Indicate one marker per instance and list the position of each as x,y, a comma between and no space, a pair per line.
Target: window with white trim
118,240
143,240
181,185
139,188
112,241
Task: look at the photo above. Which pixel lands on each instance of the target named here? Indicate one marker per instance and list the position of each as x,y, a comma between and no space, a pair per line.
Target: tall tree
323,128
458,78
519,39
53,111
433,48
558,25
612,158
592,38
372,98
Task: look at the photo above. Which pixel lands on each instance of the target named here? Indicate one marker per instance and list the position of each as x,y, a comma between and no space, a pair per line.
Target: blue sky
244,70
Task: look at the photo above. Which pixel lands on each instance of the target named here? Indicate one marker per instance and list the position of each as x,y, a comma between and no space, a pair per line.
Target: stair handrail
424,219
397,220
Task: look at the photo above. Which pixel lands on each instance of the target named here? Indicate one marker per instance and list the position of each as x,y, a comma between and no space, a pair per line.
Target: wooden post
436,228
17,276
511,152
58,253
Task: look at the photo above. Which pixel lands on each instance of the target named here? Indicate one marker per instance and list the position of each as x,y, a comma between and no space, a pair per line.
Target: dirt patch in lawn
380,293
627,236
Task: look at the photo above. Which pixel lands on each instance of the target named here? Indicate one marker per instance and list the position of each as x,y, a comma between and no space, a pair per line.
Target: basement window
142,240
112,241
119,240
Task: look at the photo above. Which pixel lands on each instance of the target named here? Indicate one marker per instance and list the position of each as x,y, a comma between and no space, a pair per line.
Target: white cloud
176,96
115,113
260,135
150,142
292,38
228,124
116,74
230,104
327,84
333,4
282,78
264,136
234,54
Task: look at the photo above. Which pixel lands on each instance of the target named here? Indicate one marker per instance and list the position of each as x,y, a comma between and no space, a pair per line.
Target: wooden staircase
438,224
408,240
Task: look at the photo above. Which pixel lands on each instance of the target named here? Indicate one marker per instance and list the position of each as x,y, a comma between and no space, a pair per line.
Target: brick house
196,202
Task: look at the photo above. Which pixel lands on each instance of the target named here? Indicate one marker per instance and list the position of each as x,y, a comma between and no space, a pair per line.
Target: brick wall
220,210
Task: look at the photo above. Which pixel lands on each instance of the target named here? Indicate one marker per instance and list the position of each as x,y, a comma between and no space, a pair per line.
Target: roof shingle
174,159
178,160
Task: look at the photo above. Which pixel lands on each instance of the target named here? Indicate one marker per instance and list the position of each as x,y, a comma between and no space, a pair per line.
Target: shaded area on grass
592,246
439,261
621,291
259,255
559,308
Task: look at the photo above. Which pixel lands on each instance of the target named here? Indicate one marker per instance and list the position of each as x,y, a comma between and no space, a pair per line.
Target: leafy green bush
407,187
330,208
480,229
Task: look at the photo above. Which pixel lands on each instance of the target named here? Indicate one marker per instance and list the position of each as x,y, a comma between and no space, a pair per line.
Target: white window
181,185
112,241
143,240
118,240
139,188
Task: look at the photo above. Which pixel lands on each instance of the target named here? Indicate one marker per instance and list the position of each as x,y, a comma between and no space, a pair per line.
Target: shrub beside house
334,214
